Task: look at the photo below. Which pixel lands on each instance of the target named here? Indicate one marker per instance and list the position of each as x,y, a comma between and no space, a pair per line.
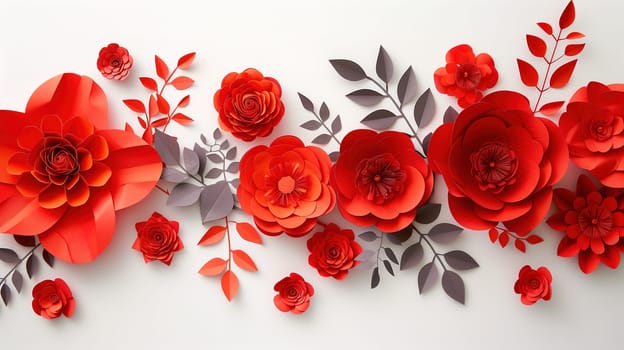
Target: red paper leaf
547,28
212,236
142,122
567,17
520,245
128,128
149,83
503,239
575,35
148,136
243,260
182,82
185,61
248,232
135,105
534,239
153,106
160,122
184,101
528,74
182,119
163,105
162,70
493,234
213,267
551,108
574,49
562,75
229,284
536,45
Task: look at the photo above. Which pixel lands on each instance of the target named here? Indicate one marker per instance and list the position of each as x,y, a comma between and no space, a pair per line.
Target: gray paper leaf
366,97
225,145
406,89
322,139
388,267
311,125
8,255
368,236
203,139
348,69
375,278
215,158
450,115
390,254
201,155
428,213
216,134
307,104
460,260
424,109
5,293
231,154
453,285
167,147
32,265
426,142
215,202
235,182
17,280
411,256
336,125
334,156
233,167
427,276
48,258
184,194
214,173
400,237
445,233
381,119
324,112
173,175
384,65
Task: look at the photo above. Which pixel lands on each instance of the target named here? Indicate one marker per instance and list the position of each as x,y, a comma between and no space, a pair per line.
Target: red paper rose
533,285
53,298
465,75
285,186
593,125
157,239
249,104
294,294
593,221
380,179
499,163
63,174
114,62
333,252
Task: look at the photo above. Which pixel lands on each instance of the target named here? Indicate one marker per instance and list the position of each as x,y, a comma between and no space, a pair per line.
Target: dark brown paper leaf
233,167
311,125
428,213
450,115
424,109
5,293
334,156
8,256
445,233
460,260
375,278
453,285
411,256
388,267
322,139
32,265
381,119
348,69
17,280
231,154
366,97
217,134
400,237
384,65
426,276
307,104
426,142
25,241
48,258
390,254
324,112
214,173
406,89
215,158
368,236
336,125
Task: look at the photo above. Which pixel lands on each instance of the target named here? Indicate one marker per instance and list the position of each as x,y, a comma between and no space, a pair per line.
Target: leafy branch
503,236
322,117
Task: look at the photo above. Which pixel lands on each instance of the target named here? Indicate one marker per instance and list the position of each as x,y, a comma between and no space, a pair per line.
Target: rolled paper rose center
595,221
534,283
61,160
286,184
494,166
380,178
115,62
601,131
292,292
333,252
468,76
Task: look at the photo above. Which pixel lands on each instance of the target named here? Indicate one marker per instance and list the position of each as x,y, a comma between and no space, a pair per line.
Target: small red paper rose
380,179
593,221
333,251
294,294
285,186
53,298
157,239
533,285
465,76
114,62
249,104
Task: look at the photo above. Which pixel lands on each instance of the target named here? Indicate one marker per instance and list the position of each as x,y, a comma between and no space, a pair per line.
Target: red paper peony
114,62
380,179
63,174
294,294
499,163
533,285
157,239
285,186
333,252
593,125
593,221
249,104
465,75
53,298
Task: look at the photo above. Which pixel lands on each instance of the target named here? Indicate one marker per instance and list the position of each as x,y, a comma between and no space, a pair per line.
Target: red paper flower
249,104
593,125
593,220
380,179
285,186
465,75
333,252
294,294
157,239
499,163
114,62
533,285
63,175
53,298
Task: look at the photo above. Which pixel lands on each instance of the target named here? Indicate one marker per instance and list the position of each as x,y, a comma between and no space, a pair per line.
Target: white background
123,302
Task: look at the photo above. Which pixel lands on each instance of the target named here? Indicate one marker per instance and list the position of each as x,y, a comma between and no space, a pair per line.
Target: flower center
115,62
601,130
468,76
380,178
595,221
534,283
54,298
286,184
494,166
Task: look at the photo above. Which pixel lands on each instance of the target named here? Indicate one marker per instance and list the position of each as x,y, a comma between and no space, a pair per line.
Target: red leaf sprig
562,73
504,236
159,112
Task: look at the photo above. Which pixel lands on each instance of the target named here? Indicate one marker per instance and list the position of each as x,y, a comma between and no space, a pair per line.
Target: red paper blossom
465,75
333,252
114,62
593,125
285,186
499,163
380,179
157,239
533,285
53,298
63,174
249,104
593,221
294,294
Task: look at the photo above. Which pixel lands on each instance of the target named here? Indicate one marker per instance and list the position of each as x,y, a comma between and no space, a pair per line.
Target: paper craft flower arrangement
64,174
